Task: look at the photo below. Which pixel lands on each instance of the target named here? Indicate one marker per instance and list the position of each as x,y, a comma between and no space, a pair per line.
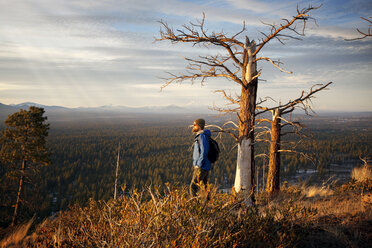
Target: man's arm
203,149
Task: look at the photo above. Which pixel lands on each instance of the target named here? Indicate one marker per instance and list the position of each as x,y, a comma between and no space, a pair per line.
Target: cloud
261,7
6,86
104,50
333,32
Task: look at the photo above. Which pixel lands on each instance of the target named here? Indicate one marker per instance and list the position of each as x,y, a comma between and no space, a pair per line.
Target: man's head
198,125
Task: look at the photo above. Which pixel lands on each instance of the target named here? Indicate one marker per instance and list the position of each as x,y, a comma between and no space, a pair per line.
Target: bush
170,219
362,174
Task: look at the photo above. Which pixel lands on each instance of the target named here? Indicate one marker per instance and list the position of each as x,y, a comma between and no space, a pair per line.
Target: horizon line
161,106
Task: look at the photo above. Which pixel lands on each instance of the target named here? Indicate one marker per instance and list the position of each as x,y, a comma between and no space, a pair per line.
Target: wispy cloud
333,32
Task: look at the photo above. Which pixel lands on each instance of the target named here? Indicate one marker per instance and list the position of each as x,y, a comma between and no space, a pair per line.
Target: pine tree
23,148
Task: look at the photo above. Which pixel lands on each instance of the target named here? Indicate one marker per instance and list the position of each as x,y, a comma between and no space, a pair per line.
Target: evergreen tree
23,148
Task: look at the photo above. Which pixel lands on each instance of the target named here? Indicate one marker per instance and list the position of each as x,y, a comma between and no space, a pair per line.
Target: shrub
170,219
313,191
362,174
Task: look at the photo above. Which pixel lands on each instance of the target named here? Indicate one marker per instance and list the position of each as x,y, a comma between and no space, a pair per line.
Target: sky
83,53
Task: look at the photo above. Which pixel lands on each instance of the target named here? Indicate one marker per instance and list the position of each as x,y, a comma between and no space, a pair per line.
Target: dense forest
156,151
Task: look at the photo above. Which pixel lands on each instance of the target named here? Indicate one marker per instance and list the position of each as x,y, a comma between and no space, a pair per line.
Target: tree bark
15,214
273,182
244,178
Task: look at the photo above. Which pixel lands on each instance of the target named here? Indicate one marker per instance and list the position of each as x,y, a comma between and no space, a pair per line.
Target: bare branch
222,129
297,152
261,155
364,34
232,123
226,111
240,32
275,63
207,66
259,121
212,63
302,98
262,136
256,76
193,76
190,34
229,97
260,101
302,15
292,104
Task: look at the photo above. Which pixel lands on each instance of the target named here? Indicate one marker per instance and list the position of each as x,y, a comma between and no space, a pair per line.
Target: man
200,156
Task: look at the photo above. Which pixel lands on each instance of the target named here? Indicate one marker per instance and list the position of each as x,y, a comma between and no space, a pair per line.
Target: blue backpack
214,150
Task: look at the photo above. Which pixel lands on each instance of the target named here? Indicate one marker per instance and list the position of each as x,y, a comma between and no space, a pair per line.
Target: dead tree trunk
273,183
244,178
16,206
117,172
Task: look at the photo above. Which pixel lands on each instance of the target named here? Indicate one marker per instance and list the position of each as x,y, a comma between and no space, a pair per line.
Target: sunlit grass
362,174
16,235
171,218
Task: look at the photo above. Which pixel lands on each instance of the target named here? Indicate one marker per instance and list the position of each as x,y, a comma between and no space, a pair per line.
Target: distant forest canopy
156,149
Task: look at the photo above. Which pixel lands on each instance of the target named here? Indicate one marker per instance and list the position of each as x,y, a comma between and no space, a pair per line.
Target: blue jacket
201,148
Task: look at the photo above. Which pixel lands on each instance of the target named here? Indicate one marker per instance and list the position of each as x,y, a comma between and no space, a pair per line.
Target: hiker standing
201,163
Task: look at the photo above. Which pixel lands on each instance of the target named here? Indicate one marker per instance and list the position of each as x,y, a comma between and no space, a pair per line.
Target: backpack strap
197,141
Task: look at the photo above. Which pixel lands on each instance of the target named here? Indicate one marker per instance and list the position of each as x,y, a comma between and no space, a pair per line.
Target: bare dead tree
277,123
363,33
117,172
237,63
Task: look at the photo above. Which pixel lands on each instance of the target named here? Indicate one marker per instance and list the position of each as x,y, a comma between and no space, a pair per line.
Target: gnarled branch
275,63
292,104
275,33
364,34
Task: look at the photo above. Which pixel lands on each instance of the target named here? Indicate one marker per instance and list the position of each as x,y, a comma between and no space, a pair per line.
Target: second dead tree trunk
273,177
273,182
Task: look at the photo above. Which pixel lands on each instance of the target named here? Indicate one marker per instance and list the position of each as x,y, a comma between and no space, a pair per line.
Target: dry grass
16,235
347,204
298,216
362,174
343,219
332,216
168,219
313,191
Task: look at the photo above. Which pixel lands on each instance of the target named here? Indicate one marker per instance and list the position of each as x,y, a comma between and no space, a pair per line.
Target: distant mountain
57,113
170,109
26,105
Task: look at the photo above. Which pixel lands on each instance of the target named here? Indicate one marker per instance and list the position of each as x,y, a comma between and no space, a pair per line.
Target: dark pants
199,178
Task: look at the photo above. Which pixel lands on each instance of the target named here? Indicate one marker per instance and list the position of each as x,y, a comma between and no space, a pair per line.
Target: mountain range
59,113
56,113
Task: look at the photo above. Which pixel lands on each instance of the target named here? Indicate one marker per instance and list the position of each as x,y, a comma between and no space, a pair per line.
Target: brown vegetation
338,218
362,174
16,235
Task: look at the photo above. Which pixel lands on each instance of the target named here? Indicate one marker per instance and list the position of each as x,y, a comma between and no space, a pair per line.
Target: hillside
299,216
155,152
